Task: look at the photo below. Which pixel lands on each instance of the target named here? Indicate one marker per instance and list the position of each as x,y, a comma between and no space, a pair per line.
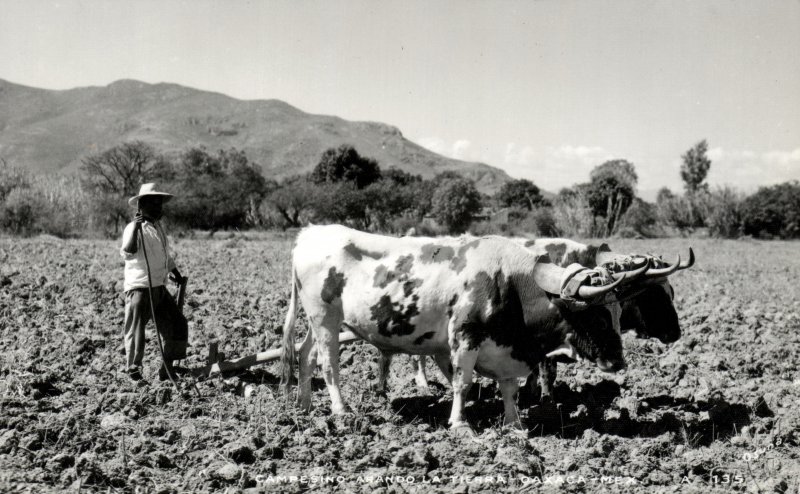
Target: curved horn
658,273
690,262
633,274
594,291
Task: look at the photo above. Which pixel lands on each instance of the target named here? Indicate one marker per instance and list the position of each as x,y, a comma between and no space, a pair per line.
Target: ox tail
288,346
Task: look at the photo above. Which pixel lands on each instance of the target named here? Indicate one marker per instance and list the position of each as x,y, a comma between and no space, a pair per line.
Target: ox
647,305
484,304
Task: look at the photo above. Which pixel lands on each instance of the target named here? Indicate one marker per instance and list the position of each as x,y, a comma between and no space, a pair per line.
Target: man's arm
131,245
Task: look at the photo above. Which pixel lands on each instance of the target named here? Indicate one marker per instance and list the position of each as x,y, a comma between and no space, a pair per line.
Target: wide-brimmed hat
149,190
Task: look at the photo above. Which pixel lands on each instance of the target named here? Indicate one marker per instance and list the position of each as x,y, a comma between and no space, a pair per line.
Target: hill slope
48,131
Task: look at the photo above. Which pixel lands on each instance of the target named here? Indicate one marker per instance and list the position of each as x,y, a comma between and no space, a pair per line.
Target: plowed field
719,409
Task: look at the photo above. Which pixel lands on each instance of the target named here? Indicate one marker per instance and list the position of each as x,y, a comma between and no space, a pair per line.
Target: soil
718,409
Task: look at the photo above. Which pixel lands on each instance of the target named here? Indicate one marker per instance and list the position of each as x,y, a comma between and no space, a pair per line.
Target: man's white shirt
158,255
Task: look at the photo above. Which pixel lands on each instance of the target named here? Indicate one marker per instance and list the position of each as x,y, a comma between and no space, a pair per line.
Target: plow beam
216,364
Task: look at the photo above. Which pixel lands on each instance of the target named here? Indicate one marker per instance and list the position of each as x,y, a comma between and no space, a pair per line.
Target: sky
545,90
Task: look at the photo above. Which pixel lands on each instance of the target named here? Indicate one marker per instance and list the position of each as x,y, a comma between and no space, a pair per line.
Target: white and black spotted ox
484,304
647,304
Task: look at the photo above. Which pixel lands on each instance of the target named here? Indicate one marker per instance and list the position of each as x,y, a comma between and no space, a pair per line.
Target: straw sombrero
149,190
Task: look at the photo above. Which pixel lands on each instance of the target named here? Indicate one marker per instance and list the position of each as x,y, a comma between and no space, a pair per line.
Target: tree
773,211
664,194
695,168
446,175
611,191
519,193
641,219
294,197
397,176
387,200
115,174
621,171
345,164
199,162
455,202
22,210
121,169
216,190
12,177
568,192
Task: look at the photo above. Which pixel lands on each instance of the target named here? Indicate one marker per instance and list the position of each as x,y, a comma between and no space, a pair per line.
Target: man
170,322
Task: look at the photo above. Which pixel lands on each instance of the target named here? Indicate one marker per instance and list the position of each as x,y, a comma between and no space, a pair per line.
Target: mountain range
50,131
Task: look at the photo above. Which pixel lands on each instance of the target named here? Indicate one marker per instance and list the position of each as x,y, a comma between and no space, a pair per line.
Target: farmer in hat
145,231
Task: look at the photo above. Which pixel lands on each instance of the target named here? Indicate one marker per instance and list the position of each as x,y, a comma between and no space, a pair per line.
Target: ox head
647,306
589,324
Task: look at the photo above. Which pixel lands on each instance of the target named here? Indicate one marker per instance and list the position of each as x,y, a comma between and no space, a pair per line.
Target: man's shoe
135,373
163,376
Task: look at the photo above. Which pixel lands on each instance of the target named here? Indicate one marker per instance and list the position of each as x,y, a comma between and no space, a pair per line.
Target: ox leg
308,362
509,388
384,363
529,389
327,338
444,365
463,365
547,377
421,378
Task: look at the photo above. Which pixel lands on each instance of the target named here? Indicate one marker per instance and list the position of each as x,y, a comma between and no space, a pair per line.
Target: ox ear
547,275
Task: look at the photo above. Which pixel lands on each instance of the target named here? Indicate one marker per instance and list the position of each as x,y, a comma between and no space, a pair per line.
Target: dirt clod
59,462
239,453
113,421
228,472
8,440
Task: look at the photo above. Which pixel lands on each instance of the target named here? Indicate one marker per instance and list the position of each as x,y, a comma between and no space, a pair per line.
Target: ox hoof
422,384
462,429
338,409
515,426
515,430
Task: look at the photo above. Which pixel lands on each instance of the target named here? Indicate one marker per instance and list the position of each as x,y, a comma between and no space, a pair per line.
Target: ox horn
659,273
594,291
690,262
633,274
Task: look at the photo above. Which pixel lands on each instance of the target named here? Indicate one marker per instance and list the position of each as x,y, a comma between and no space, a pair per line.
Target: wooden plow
216,363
